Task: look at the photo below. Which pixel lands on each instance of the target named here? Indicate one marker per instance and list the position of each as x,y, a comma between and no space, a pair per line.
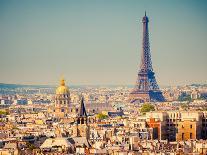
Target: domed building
62,89
62,100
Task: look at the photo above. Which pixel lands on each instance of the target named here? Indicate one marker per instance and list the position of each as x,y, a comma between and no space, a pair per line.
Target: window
182,126
191,126
191,135
182,136
62,110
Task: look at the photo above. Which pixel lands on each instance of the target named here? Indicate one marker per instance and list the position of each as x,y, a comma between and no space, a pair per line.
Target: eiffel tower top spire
146,62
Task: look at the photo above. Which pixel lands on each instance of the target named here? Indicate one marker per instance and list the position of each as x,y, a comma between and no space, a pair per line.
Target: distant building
98,107
195,94
21,102
5,102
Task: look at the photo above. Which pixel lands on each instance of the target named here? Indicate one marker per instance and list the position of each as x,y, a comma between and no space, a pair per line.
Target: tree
184,97
30,146
3,112
146,107
184,106
101,116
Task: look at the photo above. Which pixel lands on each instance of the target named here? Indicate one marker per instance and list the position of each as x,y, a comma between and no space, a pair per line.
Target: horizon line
53,85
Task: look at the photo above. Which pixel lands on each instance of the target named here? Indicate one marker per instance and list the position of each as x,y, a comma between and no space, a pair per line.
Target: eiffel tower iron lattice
146,88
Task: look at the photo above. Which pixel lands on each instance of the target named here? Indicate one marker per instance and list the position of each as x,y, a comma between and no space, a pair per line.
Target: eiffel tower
146,89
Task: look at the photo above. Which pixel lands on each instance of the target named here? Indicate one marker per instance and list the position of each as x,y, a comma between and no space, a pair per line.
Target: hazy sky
99,41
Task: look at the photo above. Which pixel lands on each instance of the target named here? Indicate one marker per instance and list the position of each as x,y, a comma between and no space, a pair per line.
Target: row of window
63,96
173,120
62,102
175,115
191,126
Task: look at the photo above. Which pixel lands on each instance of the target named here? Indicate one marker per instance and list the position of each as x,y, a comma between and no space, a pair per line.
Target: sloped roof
79,141
10,146
51,142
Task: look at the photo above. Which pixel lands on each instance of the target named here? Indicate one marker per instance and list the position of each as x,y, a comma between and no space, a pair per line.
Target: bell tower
81,120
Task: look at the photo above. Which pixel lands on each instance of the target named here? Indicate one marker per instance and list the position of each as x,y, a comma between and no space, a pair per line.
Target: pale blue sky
99,41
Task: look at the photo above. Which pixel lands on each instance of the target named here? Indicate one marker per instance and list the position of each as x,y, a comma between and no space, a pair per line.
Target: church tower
62,100
81,120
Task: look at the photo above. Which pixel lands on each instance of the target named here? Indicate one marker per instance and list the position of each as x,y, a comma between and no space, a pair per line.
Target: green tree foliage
102,116
184,97
30,146
15,128
184,106
146,107
3,112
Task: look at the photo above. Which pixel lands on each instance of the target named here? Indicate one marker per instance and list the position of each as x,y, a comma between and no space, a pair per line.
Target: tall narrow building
146,88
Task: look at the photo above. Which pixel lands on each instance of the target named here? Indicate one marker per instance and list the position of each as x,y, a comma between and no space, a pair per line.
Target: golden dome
62,89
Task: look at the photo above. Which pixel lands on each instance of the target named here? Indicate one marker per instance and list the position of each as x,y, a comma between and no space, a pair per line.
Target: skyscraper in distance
146,88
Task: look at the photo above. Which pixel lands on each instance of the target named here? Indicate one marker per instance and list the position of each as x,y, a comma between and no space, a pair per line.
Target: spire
82,112
146,63
62,81
145,13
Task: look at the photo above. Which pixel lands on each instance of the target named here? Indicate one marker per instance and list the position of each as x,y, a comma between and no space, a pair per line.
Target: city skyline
99,42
